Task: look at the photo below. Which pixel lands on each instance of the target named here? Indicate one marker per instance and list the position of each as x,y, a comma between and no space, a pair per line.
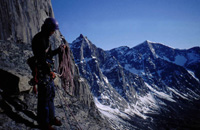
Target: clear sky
112,23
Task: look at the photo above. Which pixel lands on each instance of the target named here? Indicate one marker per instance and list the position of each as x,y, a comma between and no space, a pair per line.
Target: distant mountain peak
81,38
148,41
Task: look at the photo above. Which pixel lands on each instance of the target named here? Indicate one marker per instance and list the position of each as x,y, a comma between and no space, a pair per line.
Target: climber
45,75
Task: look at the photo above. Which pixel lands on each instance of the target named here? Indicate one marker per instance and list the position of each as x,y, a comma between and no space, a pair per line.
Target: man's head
50,26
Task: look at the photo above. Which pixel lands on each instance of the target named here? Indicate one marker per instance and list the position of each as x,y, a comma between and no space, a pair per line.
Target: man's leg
51,110
42,108
53,120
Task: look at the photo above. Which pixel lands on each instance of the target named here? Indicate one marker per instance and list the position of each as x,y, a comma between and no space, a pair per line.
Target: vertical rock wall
21,19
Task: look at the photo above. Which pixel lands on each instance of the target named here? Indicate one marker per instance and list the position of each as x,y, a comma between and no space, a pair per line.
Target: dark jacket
42,51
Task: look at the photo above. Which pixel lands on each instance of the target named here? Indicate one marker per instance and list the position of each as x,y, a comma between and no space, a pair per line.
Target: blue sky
112,23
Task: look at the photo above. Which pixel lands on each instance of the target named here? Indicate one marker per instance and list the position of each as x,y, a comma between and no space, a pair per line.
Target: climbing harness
33,66
34,81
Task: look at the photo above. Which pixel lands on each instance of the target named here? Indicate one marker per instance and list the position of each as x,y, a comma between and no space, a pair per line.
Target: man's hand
52,75
63,46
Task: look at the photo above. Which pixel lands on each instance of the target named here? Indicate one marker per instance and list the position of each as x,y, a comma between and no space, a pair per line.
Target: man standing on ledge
45,75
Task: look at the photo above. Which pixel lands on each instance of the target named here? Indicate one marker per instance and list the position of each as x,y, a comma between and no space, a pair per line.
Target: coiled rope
65,69
66,75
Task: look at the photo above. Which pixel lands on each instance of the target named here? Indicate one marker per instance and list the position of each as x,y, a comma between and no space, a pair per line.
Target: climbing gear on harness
32,62
52,75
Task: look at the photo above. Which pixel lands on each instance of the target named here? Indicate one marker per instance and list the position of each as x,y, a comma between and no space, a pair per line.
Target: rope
66,73
79,127
65,69
63,109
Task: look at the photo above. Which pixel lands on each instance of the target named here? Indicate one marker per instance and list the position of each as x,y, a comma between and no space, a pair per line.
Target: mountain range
149,86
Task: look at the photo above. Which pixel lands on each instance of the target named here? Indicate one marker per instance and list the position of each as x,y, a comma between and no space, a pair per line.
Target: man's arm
39,53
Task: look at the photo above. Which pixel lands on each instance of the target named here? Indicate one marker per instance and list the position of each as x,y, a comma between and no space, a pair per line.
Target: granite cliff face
20,20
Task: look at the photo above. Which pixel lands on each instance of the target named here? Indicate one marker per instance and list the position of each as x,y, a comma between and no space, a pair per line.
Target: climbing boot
50,128
56,122
47,127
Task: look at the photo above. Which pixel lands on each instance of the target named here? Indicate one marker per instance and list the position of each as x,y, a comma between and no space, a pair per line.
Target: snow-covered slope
149,86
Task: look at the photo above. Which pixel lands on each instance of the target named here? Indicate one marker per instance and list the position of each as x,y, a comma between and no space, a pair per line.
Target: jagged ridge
151,81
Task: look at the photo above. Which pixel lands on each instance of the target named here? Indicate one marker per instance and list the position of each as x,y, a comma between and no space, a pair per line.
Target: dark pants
46,94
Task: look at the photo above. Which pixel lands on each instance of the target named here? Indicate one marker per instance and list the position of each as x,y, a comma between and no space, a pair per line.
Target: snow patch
152,49
105,79
165,58
87,41
145,104
108,111
177,93
193,75
132,70
160,94
194,95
